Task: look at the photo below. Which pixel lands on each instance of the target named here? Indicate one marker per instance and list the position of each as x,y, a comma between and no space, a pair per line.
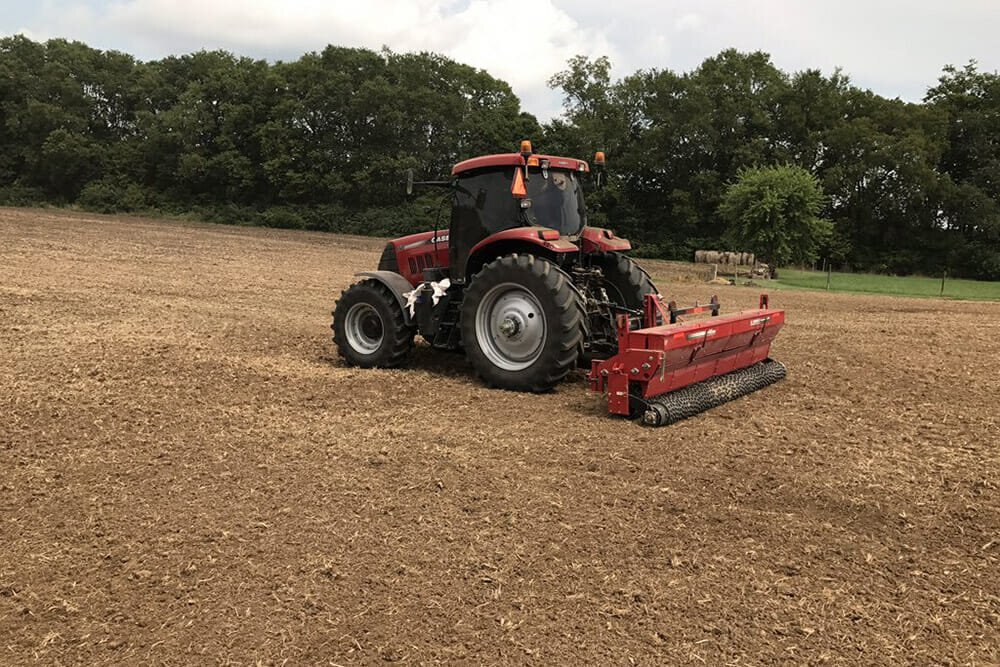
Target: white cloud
689,23
33,35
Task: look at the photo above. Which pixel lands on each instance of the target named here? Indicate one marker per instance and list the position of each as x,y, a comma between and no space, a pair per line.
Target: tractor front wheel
369,328
522,323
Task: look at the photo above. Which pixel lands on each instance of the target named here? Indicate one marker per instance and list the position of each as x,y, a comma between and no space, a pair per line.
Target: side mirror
409,181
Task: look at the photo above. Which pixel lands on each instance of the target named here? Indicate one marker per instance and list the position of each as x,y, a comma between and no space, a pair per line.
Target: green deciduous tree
969,101
774,212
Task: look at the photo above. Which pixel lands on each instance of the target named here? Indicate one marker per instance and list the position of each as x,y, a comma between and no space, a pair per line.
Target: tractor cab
496,193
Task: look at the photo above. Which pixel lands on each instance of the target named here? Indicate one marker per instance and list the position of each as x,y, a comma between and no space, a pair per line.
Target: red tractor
528,291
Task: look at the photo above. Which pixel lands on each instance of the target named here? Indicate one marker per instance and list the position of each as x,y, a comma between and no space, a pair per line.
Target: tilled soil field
188,475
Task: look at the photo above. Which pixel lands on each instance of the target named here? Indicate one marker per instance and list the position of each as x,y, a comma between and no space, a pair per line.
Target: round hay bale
699,257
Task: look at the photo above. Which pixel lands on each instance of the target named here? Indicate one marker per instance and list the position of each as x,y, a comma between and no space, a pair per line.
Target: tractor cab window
557,201
483,205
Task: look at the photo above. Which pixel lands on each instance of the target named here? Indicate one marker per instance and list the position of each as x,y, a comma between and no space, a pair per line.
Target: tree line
320,143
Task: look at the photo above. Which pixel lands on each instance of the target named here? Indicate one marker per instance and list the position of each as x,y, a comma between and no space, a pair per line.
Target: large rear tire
625,281
522,324
369,328
626,284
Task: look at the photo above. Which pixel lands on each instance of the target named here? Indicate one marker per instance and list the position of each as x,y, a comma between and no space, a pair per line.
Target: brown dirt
189,475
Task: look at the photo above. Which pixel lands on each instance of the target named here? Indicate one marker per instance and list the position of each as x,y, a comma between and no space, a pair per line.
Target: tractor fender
597,239
533,240
396,283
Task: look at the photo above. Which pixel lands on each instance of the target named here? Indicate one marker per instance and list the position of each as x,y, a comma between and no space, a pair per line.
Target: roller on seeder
669,369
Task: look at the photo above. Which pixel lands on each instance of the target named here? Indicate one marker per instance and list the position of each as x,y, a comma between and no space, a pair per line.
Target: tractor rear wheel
522,324
625,284
369,328
625,281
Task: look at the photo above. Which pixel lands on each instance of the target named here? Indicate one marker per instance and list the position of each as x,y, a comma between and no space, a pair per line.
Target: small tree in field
774,213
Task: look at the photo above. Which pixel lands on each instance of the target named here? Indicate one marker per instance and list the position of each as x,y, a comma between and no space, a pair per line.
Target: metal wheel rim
360,330
510,327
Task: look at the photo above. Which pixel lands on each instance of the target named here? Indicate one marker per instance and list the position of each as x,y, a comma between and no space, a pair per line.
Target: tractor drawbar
696,398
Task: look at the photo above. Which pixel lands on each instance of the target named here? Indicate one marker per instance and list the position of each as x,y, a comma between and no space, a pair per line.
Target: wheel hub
510,327
371,327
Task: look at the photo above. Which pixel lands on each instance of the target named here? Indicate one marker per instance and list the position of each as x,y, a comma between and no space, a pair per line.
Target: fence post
943,276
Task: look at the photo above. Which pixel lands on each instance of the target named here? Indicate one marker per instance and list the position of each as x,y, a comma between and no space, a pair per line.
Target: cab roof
517,160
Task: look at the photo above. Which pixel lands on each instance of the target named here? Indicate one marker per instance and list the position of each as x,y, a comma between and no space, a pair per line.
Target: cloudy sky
895,47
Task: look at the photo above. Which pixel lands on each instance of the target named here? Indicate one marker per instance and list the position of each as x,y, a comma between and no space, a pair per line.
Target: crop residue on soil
188,474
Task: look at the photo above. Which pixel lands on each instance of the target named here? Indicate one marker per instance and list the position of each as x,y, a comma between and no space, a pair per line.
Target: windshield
557,201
